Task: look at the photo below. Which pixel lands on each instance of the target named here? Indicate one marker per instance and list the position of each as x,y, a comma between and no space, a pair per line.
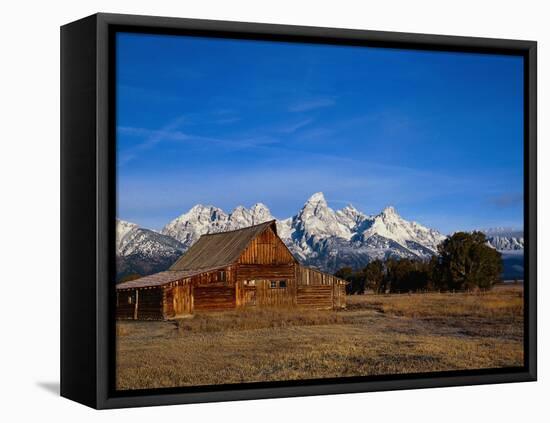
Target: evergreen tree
374,275
344,273
467,262
356,279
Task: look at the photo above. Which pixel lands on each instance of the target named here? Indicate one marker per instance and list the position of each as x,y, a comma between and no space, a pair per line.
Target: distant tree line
464,262
129,277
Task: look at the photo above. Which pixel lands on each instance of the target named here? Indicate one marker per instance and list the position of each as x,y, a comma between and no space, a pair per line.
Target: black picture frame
88,209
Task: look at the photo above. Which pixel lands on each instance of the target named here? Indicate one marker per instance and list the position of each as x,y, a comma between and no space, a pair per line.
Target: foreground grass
496,313
249,319
377,334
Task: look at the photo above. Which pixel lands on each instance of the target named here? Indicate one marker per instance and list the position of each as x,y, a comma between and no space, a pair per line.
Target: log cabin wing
249,267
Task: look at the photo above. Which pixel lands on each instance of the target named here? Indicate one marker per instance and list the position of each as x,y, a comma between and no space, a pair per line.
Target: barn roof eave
161,279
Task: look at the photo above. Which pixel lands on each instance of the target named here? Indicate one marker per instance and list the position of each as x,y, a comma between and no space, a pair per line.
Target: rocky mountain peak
199,220
316,220
350,217
123,228
389,211
202,213
261,212
242,217
350,209
316,204
259,206
316,198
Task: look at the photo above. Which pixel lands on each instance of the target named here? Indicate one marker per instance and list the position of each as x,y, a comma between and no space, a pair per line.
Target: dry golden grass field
375,335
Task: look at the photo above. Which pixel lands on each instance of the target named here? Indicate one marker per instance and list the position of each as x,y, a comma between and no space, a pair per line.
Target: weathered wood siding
125,304
266,259
183,300
276,297
226,274
309,276
261,271
168,303
339,296
178,300
213,298
262,294
245,295
179,296
266,248
144,304
150,304
314,296
306,276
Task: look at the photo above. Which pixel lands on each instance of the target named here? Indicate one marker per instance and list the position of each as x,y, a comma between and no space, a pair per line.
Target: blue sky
228,122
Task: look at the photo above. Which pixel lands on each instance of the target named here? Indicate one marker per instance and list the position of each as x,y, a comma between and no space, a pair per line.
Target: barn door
249,295
177,302
182,300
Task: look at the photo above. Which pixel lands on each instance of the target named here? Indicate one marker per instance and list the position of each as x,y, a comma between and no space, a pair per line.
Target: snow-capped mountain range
144,251
317,235
505,239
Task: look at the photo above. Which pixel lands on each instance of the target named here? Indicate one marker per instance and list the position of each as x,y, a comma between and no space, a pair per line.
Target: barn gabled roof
220,249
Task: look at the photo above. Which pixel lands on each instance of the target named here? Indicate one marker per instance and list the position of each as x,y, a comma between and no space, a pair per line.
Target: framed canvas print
255,211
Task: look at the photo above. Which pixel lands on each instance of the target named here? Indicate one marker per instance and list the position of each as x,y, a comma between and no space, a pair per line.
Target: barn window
273,284
282,284
130,299
221,275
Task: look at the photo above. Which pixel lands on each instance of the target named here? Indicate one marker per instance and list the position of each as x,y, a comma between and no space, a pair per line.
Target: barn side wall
253,285
315,289
200,293
150,304
263,294
214,297
125,305
259,271
318,297
305,287
140,304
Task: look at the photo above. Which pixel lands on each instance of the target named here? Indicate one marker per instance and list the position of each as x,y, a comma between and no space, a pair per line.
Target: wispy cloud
151,138
311,104
316,133
152,135
292,127
224,116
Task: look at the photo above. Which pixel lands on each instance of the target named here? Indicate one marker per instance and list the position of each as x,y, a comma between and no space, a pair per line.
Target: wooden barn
250,267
